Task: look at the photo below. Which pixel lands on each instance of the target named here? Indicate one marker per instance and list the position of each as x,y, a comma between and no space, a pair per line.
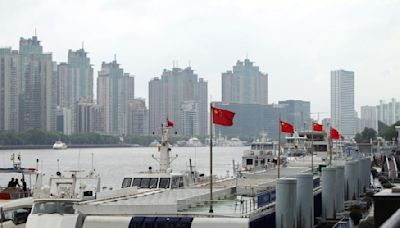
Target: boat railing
239,208
13,193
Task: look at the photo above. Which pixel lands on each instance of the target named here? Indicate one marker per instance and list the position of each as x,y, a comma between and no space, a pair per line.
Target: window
153,182
164,182
175,182
249,161
53,207
145,183
181,182
136,182
126,182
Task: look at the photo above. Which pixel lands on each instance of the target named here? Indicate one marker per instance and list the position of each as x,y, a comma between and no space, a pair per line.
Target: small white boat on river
59,145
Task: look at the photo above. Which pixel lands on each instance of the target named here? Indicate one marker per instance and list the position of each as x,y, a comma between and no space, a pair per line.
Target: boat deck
195,200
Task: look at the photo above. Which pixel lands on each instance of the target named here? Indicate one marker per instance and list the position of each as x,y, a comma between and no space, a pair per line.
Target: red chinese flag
334,133
170,123
222,117
317,127
286,127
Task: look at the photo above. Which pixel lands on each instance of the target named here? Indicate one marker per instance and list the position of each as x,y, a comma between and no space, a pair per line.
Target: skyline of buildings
36,92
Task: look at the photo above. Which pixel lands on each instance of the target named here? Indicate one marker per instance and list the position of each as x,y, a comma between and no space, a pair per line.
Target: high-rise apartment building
388,113
298,113
114,90
9,89
37,86
80,62
369,117
74,84
342,102
168,94
245,84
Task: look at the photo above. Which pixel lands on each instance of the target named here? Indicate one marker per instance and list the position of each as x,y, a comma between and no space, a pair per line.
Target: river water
113,163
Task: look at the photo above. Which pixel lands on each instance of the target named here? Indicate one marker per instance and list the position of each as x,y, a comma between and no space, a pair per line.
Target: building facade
79,62
74,84
251,120
298,113
245,84
37,104
138,117
369,117
342,102
114,90
167,95
388,113
10,77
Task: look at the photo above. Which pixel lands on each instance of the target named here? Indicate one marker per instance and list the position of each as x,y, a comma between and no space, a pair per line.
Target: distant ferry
58,145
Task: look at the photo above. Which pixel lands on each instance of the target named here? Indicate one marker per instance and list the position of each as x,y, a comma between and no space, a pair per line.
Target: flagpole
279,148
211,161
330,146
312,148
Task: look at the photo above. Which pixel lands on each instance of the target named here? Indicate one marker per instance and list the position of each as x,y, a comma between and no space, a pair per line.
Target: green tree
390,132
366,135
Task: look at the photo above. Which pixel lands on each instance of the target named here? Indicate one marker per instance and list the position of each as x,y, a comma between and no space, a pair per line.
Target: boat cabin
260,155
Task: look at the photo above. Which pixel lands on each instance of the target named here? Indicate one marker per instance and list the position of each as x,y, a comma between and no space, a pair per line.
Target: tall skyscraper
369,117
80,63
167,97
342,102
388,113
245,84
74,84
114,90
298,113
9,89
37,103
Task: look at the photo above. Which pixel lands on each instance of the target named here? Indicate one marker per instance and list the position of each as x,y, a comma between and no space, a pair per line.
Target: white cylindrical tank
328,192
340,188
350,177
305,200
285,209
366,164
359,172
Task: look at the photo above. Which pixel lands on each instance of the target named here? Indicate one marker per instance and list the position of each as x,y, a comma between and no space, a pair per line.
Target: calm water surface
113,163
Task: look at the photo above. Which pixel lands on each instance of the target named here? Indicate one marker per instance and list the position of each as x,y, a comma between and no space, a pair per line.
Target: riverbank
23,147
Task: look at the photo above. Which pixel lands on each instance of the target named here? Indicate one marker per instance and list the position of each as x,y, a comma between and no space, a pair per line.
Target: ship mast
165,159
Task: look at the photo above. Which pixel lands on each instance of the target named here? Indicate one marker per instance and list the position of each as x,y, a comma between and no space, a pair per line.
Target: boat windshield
164,182
53,207
126,182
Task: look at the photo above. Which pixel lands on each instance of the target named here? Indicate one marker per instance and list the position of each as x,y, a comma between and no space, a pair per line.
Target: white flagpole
279,148
211,160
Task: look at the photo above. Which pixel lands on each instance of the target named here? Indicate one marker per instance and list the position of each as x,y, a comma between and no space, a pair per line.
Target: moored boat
59,145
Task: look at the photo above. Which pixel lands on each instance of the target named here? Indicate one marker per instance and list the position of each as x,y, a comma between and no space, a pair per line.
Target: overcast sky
296,42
